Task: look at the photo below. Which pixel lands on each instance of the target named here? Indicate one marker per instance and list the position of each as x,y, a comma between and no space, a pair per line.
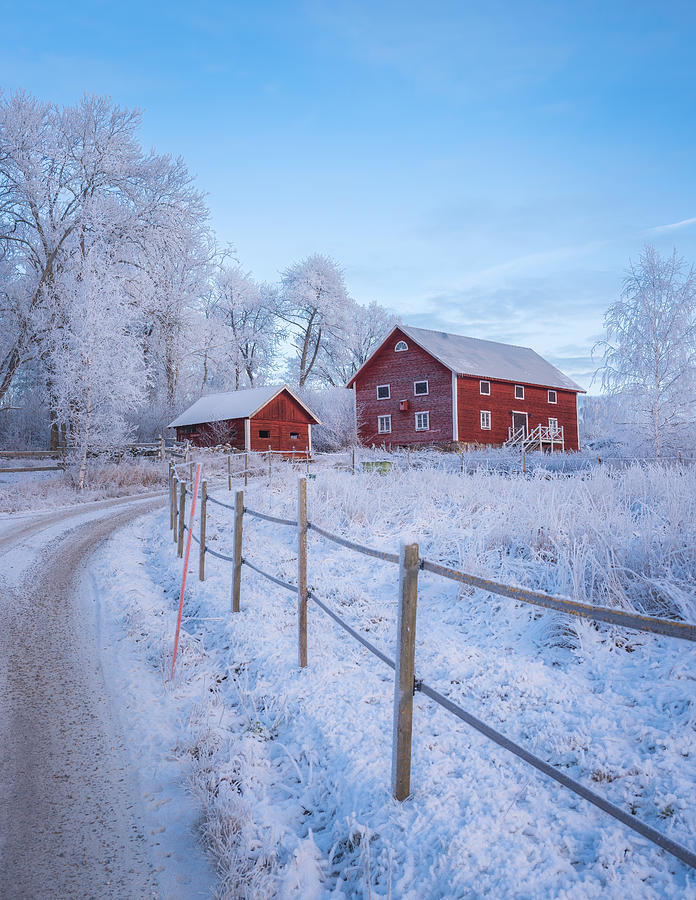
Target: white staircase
543,437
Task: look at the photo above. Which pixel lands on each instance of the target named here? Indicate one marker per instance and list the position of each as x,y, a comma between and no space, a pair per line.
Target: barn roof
488,359
234,405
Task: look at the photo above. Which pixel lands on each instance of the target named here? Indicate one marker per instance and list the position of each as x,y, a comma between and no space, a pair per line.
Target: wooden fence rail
406,682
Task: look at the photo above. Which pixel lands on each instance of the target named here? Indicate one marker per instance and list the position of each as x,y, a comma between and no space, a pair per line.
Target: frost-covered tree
73,179
364,328
650,352
92,351
314,304
244,329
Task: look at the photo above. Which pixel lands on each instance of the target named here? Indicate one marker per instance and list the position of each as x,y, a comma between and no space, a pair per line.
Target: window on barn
189,429
264,434
422,421
383,392
485,420
294,436
552,397
401,346
553,424
384,424
519,392
420,388
485,387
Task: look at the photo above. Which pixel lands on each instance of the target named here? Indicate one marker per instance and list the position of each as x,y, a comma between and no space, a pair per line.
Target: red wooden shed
255,419
429,387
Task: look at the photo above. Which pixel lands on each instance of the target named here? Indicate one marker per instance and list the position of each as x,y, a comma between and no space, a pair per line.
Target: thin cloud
674,225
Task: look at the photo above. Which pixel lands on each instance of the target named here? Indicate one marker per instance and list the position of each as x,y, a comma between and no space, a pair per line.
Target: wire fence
407,684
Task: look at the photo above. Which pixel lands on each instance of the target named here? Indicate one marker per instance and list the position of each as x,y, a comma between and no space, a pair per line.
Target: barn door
519,423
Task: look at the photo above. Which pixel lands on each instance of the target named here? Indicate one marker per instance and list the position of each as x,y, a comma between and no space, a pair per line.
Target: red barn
255,419
429,387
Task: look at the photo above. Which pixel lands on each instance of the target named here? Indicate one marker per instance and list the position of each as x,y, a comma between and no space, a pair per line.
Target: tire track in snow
70,820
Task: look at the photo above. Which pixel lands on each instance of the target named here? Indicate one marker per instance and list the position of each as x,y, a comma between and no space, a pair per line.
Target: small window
420,388
519,392
553,424
485,420
384,424
294,436
485,387
552,397
264,434
422,421
383,392
401,346
189,429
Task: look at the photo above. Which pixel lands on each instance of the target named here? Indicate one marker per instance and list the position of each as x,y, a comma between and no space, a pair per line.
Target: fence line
634,621
406,684
359,548
647,831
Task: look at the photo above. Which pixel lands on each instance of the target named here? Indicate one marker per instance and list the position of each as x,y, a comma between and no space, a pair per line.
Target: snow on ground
292,767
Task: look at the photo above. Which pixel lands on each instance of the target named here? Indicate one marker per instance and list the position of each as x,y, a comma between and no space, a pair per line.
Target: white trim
482,413
385,416
555,423
422,412
521,387
309,438
388,387
483,393
427,387
398,348
247,434
455,416
550,391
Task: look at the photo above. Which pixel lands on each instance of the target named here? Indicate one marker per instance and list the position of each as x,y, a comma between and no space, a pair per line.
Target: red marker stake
186,560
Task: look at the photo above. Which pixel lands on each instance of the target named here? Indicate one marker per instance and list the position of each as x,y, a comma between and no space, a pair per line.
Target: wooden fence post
405,670
201,558
307,461
191,472
162,450
175,530
352,461
246,468
302,573
171,498
270,457
237,572
229,471
182,518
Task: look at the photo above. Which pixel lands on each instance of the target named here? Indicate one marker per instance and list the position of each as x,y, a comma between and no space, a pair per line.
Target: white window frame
555,396
424,412
421,393
381,430
553,423
485,412
481,390
519,387
388,387
400,347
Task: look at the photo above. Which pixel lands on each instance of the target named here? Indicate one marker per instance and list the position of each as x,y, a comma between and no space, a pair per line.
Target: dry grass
104,480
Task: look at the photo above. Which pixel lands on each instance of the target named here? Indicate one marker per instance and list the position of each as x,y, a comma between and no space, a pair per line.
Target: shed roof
488,359
234,405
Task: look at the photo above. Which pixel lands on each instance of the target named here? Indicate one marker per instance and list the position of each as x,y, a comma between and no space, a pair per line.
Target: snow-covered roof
233,405
488,359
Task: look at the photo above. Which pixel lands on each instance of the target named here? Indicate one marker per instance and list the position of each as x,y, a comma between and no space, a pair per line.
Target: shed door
519,422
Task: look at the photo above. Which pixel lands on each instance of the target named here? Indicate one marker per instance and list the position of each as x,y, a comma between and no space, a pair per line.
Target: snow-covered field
292,767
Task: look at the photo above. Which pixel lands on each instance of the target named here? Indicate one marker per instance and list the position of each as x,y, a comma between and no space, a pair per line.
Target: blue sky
482,168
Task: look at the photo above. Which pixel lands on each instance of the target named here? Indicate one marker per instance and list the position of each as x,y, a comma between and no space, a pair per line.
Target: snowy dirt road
71,816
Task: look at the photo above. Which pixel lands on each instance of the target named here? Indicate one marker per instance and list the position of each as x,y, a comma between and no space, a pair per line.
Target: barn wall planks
399,370
501,403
